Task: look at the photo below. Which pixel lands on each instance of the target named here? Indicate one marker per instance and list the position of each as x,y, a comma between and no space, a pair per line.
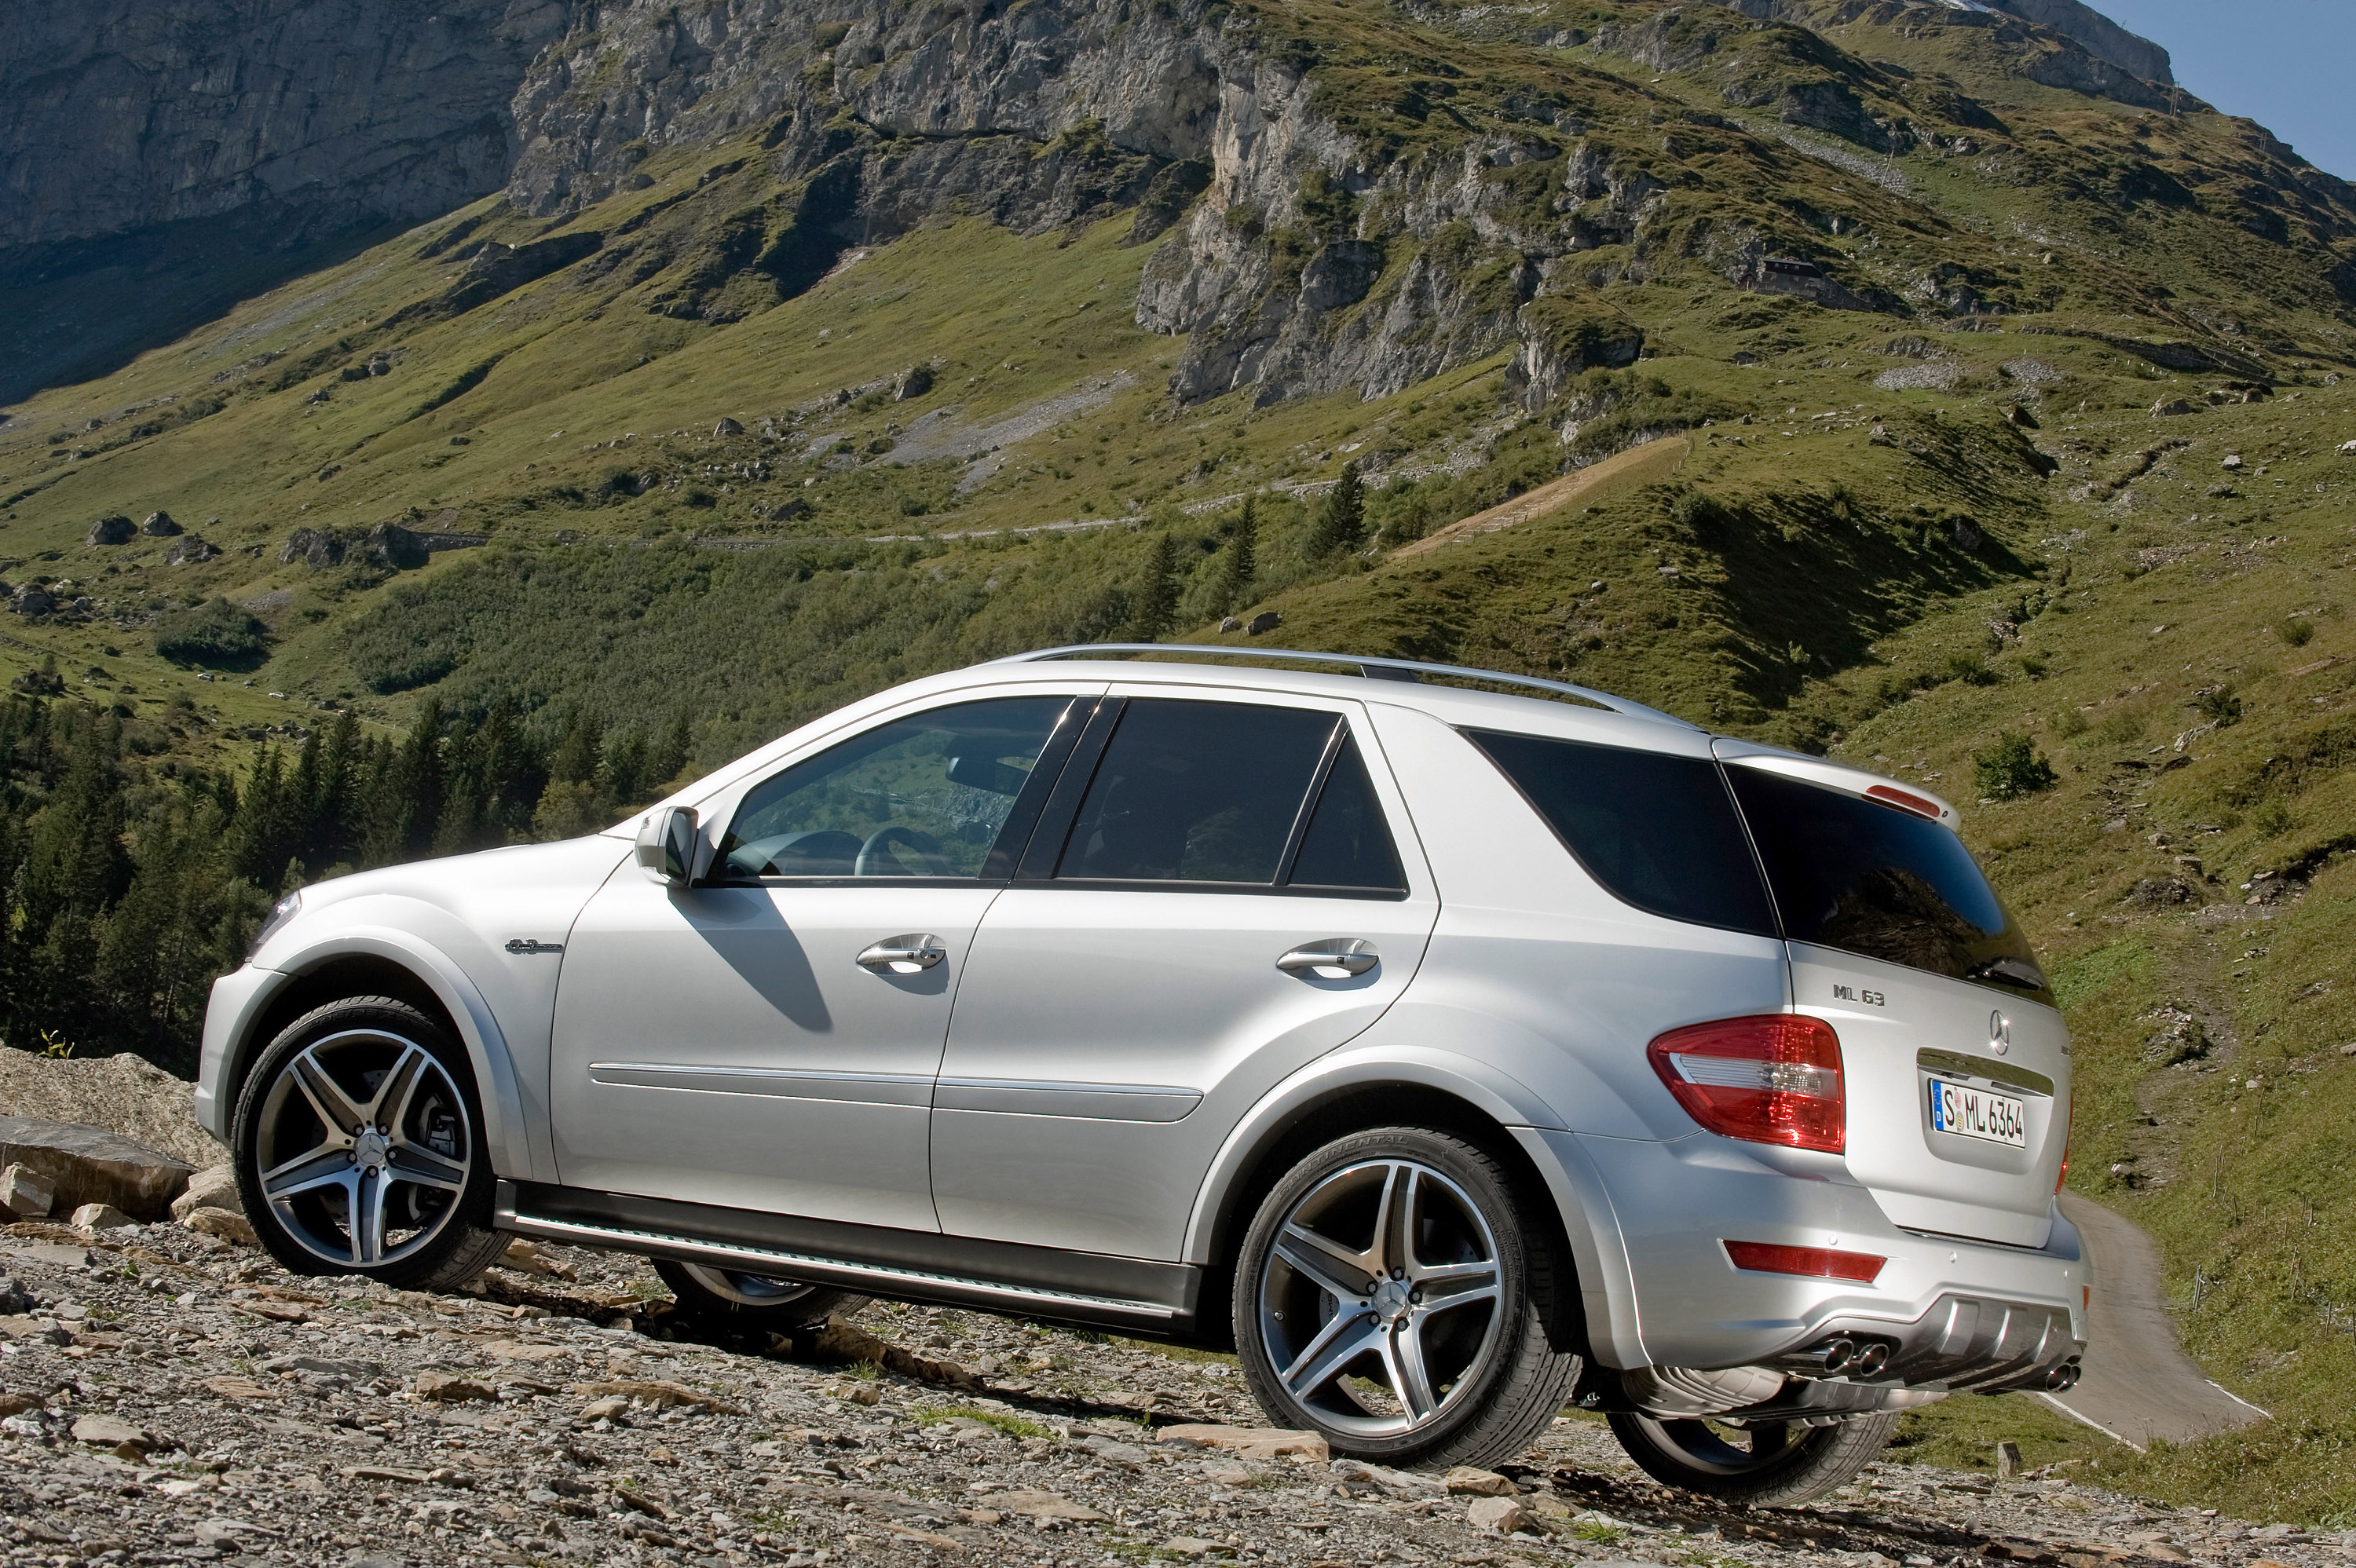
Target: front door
1155,969
767,1038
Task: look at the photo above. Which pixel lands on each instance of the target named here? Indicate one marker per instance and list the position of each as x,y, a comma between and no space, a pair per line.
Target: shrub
2011,768
2295,630
214,633
2219,705
1969,668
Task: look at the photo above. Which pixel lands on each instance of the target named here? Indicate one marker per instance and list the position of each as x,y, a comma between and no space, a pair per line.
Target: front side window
1214,792
1657,831
920,796
1875,879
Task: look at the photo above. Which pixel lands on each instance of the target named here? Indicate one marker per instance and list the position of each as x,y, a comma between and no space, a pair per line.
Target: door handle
1331,960
902,955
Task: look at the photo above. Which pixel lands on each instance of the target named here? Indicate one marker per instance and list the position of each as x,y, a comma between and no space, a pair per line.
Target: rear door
1153,971
1956,1060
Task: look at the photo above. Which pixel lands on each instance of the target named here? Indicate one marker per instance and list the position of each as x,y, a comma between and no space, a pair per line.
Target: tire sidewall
400,1020
697,1300
1818,1459
1462,1164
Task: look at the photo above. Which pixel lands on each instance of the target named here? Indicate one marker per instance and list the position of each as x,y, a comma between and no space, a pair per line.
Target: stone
100,1217
1194,1545
2231,461
111,530
1467,1482
159,525
661,1395
914,382
31,600
2007,1458
233,1385
611,1408
26,1193
1266,621
727,427
222,1223
190,550
451,1388
2171,407
123,1093
1248,1442
121,1436
215,1187
527,1257
1229,624
1044,1505
90,1165
12,1404
1501,1516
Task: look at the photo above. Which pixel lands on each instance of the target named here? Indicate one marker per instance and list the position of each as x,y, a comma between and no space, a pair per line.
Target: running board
657,1228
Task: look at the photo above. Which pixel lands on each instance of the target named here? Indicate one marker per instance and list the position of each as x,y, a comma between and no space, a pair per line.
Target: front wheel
1771,1464
735,1299
358,1147
1396,1295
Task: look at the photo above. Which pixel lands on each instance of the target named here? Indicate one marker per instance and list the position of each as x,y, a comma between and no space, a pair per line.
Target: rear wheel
359,1148
1394,1296
732,1297
1771,1463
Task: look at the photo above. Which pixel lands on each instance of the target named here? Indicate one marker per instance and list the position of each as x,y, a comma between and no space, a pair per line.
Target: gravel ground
172,1397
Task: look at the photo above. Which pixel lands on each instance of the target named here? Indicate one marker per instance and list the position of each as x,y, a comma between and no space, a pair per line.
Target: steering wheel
876,859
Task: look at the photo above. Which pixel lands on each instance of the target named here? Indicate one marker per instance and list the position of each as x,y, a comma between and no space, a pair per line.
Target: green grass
1000,1421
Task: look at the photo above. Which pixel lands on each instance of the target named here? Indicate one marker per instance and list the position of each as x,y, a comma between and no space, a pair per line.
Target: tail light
1773,1079
2069,1130
1810,1263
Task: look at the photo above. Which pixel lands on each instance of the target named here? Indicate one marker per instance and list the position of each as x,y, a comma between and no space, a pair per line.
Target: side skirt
1154,1300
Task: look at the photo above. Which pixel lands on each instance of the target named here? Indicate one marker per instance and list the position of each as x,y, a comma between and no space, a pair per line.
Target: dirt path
2139,1385
1653,460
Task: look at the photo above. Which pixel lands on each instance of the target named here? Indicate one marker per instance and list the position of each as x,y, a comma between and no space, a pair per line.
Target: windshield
1880,881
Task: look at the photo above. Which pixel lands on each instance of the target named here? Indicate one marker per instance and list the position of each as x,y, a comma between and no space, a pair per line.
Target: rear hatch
1956,1063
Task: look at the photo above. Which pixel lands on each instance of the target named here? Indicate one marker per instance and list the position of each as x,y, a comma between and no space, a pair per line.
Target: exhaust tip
1871,1360
2064,1376
1841,1355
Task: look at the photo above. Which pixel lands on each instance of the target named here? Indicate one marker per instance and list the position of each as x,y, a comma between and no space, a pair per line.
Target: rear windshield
1874,879
1659,832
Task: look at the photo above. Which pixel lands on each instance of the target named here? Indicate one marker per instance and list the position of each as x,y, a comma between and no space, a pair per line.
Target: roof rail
1371,667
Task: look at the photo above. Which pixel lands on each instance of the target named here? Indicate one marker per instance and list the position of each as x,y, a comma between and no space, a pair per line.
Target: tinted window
1659,832
1348,844
1871,878
1197,791
920,796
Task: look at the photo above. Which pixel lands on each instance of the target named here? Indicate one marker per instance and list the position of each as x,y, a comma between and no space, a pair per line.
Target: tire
366,1106
733,1299
1773,1465
1334,1315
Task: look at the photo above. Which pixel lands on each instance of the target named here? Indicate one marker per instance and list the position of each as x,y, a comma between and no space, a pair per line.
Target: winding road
2139,1385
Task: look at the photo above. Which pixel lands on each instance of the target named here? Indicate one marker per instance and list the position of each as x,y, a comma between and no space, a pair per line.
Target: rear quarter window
1659,832
1874,879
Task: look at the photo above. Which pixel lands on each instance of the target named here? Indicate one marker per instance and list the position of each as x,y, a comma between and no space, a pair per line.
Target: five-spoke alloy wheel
736,1299
359,1148
1392,1295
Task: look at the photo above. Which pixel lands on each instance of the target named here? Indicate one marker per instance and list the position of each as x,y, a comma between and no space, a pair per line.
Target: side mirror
667,846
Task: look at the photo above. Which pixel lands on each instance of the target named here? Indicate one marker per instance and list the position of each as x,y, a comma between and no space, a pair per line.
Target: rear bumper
1953,1313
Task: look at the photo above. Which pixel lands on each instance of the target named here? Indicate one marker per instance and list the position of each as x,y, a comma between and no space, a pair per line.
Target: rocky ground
172,1396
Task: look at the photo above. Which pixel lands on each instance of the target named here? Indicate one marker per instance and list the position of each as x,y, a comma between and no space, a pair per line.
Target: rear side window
1197,791
1347,845
1659,832
1874,879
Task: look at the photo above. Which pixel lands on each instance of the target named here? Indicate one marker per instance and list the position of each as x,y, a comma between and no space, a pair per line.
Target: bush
2220,705
2011,768
214,633
1969,668
2295,630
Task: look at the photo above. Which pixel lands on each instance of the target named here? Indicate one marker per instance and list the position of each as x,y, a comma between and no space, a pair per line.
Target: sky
2290,65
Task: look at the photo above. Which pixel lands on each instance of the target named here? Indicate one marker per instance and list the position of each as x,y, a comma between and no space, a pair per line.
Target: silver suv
1453,1055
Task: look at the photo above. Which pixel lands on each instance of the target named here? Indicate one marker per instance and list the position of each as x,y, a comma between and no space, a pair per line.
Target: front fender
517,1142
1596,1248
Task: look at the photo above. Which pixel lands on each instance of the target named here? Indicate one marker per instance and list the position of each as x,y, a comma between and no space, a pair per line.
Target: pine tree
1242,563
1157,598
1342,521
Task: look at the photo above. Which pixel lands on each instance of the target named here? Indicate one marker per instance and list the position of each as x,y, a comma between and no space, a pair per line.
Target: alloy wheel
747,1289
1380,1299
364,1147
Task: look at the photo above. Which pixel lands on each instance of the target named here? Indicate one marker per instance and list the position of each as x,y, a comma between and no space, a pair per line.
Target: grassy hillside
642,473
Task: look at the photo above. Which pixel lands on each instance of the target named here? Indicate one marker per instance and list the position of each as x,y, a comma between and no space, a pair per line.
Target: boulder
914,382
89,1164
1229,624
220,1222
1467,1482
388,545
131,1441
215,1187
1249,1441
123,1093
190,550
159,525
100,1217
1266,621
2170,408
1501,1516
727,427
114,529
26,1193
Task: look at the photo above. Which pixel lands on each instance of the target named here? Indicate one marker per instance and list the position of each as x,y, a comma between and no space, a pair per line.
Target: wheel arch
389,964
1439,1094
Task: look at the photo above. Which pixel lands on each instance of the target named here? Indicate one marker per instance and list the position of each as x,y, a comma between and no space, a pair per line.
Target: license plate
1977,1114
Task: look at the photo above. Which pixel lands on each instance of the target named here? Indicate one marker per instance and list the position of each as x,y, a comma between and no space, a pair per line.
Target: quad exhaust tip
1845,1357
2064,1376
